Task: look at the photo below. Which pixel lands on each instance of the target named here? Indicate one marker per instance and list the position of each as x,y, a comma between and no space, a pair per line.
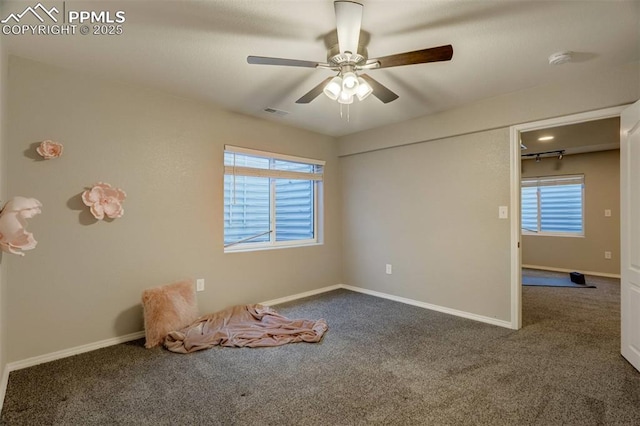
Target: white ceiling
198,49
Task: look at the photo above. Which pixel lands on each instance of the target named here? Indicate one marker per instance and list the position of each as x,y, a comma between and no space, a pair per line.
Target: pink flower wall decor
14,237
103,199
49,149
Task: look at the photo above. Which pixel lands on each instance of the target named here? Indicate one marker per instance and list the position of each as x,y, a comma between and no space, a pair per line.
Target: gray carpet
381,362
564,281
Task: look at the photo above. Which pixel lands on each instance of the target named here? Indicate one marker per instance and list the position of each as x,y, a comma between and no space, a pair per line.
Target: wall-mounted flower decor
103,199
49,149
14,237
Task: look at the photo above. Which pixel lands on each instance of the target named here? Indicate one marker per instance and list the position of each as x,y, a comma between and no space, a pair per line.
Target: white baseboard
445,310
30,362
301,295
3,385
450,311
549,268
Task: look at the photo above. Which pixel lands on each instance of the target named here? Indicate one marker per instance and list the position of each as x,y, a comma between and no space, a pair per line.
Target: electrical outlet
200,284
607,255
389,269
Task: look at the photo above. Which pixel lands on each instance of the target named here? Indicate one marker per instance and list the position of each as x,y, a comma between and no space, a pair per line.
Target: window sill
550,234
270,247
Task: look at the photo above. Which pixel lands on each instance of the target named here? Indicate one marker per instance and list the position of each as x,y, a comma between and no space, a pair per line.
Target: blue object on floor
552,282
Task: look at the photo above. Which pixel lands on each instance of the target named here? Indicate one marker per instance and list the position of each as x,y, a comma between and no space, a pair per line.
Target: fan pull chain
348,113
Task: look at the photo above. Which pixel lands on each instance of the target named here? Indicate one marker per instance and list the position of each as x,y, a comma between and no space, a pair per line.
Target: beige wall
443,236
83,282
431,210
602,191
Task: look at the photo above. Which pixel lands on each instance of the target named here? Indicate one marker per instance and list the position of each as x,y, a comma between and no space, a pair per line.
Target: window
270,200
553,205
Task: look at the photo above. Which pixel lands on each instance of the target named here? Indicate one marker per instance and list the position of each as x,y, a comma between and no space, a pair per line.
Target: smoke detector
560,58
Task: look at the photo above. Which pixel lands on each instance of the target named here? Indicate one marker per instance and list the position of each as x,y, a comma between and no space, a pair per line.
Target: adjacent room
570,203
367,182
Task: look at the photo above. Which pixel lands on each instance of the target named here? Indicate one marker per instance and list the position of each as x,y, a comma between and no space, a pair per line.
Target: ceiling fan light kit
345,98
349,58
349,82
333,88
345,87
363,89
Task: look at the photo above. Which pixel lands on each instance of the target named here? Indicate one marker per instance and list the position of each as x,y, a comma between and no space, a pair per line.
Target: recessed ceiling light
545,138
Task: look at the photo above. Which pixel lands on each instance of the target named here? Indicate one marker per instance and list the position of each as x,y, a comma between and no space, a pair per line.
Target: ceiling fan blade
264,60
313,93
348,24
433,54
379,91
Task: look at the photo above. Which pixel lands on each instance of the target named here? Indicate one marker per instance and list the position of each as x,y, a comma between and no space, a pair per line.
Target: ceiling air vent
278,112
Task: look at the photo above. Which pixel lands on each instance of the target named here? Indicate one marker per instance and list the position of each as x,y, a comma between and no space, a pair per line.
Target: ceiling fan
349,58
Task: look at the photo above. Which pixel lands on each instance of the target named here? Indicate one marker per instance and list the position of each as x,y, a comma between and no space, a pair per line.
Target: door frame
515,177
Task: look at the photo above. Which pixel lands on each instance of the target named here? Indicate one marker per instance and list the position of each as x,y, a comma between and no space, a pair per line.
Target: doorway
516,133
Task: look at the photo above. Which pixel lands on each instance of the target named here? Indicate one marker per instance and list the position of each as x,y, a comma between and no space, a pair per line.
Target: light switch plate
607,213
503,212
200,284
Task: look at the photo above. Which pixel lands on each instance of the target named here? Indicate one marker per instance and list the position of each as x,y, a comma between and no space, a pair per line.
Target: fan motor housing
335,58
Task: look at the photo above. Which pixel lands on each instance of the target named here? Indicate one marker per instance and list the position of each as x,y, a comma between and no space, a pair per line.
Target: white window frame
558,178
317,178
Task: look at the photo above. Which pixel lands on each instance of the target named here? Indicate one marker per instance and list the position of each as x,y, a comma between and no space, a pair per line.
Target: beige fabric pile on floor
244,325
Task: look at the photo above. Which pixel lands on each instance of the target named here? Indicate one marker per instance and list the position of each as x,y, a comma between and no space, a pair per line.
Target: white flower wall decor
49,149
14,237
104,200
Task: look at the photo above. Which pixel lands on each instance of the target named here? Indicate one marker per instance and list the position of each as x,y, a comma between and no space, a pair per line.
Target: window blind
553,204
269,198
553,181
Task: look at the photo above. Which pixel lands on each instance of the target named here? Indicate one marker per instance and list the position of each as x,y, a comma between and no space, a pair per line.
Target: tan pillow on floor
168,308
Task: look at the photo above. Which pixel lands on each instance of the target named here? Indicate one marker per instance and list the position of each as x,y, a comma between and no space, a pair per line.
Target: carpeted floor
381,362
